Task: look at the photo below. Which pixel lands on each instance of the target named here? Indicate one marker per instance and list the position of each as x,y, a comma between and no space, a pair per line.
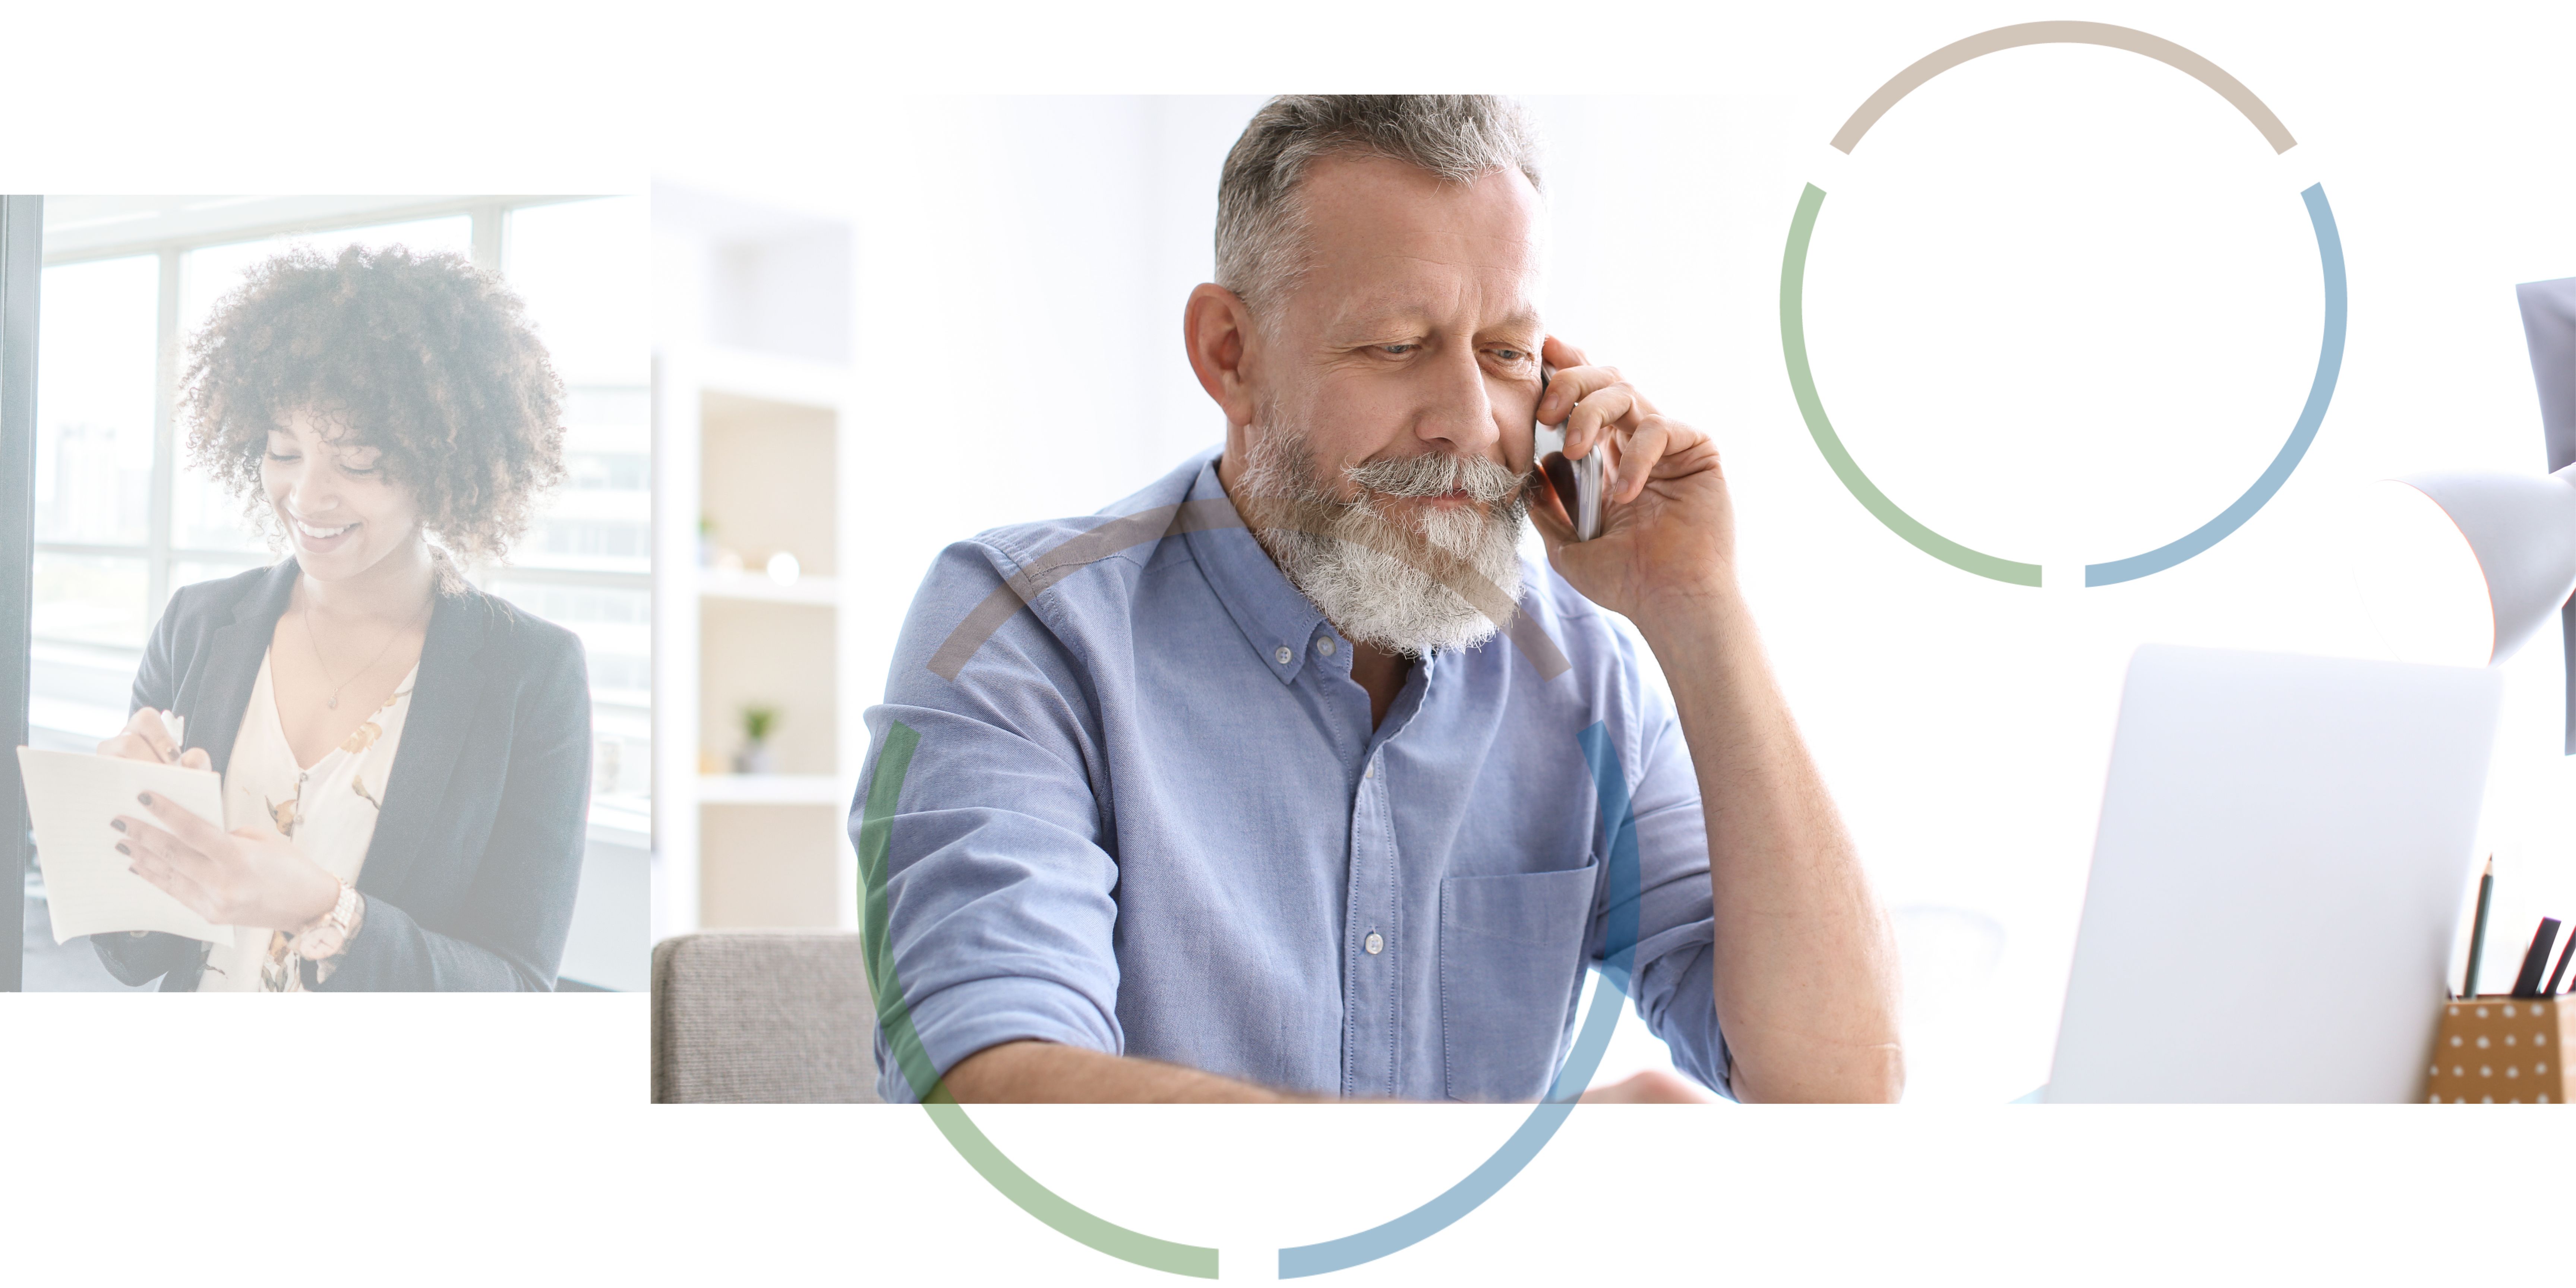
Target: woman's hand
147,737
250,876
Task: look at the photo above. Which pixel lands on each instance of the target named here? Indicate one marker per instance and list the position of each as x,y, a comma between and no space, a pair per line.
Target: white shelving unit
753,395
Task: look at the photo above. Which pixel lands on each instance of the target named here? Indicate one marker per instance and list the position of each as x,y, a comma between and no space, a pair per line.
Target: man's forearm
1806,966
1047,1072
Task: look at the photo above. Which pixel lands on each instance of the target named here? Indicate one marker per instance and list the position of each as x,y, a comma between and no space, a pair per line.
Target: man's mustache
1438,474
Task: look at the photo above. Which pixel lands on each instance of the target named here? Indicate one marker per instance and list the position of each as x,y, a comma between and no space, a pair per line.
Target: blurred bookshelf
754,436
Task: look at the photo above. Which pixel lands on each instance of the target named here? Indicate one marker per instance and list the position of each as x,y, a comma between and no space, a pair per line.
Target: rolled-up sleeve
998,916
1674,987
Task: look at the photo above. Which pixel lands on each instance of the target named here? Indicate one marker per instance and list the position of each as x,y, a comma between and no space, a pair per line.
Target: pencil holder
2493,1050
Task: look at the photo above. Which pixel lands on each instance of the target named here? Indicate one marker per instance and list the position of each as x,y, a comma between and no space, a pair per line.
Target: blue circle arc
1619,953
2320,393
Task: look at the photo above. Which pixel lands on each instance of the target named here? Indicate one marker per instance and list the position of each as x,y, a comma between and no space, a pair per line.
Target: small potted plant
756,757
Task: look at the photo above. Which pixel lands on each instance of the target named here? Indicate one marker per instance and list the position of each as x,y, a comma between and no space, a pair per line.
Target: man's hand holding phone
1668,530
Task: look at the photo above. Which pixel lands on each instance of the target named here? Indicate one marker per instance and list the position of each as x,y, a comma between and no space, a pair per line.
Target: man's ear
1217,329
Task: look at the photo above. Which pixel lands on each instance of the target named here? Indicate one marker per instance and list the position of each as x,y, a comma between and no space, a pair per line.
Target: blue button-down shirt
1150,817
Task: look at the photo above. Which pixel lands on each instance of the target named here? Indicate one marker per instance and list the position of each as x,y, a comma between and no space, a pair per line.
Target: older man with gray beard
1285,779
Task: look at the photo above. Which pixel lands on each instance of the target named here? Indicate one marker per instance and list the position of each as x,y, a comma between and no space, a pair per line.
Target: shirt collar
1277,620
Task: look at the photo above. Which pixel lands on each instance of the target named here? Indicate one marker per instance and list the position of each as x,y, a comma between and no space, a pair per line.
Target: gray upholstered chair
762,1017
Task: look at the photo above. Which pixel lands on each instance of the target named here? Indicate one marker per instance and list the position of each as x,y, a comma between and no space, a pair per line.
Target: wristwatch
328,935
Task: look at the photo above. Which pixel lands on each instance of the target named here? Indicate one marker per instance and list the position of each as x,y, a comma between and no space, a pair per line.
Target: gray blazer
470,879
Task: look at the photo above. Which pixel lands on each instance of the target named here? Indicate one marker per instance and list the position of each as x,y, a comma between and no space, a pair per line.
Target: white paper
71,796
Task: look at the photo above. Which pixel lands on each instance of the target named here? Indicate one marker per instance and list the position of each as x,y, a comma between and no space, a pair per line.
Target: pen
178,727
2536,959
2478,928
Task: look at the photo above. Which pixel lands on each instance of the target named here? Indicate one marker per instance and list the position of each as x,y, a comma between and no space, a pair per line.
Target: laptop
2284,850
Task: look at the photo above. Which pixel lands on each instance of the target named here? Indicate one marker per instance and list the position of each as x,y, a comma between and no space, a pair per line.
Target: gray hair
1260,223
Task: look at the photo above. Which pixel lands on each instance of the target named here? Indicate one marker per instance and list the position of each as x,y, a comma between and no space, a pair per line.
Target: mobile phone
1577,483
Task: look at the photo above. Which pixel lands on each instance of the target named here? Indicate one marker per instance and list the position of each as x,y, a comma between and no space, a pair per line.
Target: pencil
2478,928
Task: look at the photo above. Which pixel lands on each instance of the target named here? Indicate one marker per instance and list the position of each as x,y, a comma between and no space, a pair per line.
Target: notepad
70,798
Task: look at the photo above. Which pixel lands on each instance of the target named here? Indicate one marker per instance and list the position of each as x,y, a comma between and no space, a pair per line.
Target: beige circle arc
1802,380
2063,33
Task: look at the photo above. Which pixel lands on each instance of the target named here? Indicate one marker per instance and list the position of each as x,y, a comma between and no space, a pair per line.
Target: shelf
769,377
772,789
717,584
753,420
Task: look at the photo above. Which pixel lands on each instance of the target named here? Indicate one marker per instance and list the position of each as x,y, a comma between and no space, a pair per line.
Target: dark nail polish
117,823
145,797
120,848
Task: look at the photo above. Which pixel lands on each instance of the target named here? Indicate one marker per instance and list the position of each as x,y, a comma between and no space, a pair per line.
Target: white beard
1403,604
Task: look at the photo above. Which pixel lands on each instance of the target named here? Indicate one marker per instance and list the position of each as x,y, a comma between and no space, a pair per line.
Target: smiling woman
405,758
435,361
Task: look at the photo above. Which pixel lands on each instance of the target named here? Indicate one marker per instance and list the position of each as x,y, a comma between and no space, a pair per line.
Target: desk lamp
2519,530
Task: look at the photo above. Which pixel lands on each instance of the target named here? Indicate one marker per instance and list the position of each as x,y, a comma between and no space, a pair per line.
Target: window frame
22,224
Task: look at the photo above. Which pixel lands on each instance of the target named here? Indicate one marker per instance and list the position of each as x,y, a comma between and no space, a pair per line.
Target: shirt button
1325,646
1373,944
1283,655
1372,770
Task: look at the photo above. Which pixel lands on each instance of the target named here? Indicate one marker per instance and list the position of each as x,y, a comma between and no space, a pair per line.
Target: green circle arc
894,764
1574,1073
1802,381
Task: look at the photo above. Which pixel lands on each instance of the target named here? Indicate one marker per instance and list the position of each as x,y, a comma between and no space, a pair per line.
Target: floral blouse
327,808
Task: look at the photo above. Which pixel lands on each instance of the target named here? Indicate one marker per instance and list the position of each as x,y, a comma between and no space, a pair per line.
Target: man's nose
1458,411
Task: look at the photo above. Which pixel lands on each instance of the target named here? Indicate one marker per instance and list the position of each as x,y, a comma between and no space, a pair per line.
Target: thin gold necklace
333,702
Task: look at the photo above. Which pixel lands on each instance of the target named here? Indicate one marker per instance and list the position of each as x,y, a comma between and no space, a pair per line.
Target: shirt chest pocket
1511,973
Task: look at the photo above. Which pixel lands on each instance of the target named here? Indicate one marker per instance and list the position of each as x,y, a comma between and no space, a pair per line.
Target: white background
2053,295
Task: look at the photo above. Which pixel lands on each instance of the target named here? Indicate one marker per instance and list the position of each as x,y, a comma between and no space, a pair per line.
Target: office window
89,599
95,431
587,561
94,408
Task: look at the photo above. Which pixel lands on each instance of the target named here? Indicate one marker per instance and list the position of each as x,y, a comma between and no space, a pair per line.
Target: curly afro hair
426,358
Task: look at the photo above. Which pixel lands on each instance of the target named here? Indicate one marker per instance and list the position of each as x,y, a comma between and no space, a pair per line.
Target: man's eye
1399,349
1510,355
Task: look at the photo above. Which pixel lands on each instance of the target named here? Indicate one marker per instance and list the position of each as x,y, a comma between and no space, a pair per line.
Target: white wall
1020,282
